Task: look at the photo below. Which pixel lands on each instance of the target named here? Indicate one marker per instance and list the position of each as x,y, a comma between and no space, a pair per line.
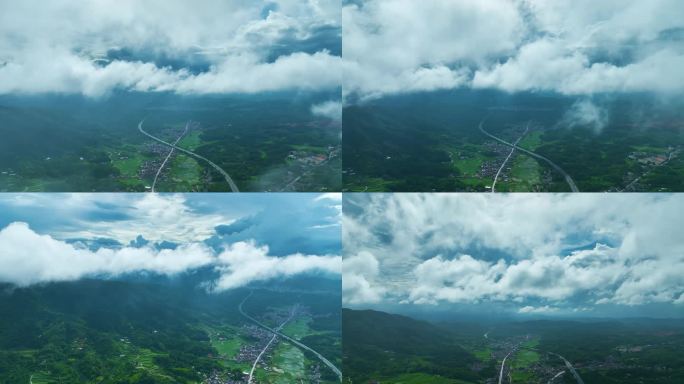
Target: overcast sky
245,238
554,254
575,47
94,47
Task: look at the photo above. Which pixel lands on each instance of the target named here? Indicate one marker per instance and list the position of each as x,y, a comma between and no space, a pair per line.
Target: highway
555,377
496,177
503,364
251,372
229,180
154,183
325,361
571,368
568,179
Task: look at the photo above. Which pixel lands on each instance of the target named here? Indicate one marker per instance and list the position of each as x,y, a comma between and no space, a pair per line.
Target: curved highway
503,363
496,177
251,372
571,368
568,179
229,180
154,183
291,340
555,377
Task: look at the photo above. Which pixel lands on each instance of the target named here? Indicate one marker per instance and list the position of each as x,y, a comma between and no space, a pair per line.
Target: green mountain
151,330
379,346
385,348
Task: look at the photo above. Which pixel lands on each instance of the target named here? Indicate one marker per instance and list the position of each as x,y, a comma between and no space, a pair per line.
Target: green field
531,141
227,341
421,378
42,378
372,185
191,141
419,132
525,174
524,358
483,354
649,149
227,348
75,144
289,365
471,165
309,148
183,174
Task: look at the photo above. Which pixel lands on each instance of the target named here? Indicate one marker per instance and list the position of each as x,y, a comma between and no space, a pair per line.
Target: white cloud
463,279
395,46
522,247
28,258
67,73
579,47
330,109
244,262
245,74
59,47
154,216
543,309
332,196
466,279
585,113
358,279
548,65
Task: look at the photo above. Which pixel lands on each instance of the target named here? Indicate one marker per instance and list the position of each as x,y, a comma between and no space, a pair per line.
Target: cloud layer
95,47
241,238
29,258
243,263
537,250
579,47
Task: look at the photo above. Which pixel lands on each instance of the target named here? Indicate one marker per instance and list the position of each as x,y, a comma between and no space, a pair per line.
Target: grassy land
469,166
191,140
309,148
531,141
421,378
128,160
483,354
531,343
298,328
42,378
12,183
288,365
230,345
522,377
525,174
522,360
184,174
649,149
473,159
129,165
371,185
143,359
